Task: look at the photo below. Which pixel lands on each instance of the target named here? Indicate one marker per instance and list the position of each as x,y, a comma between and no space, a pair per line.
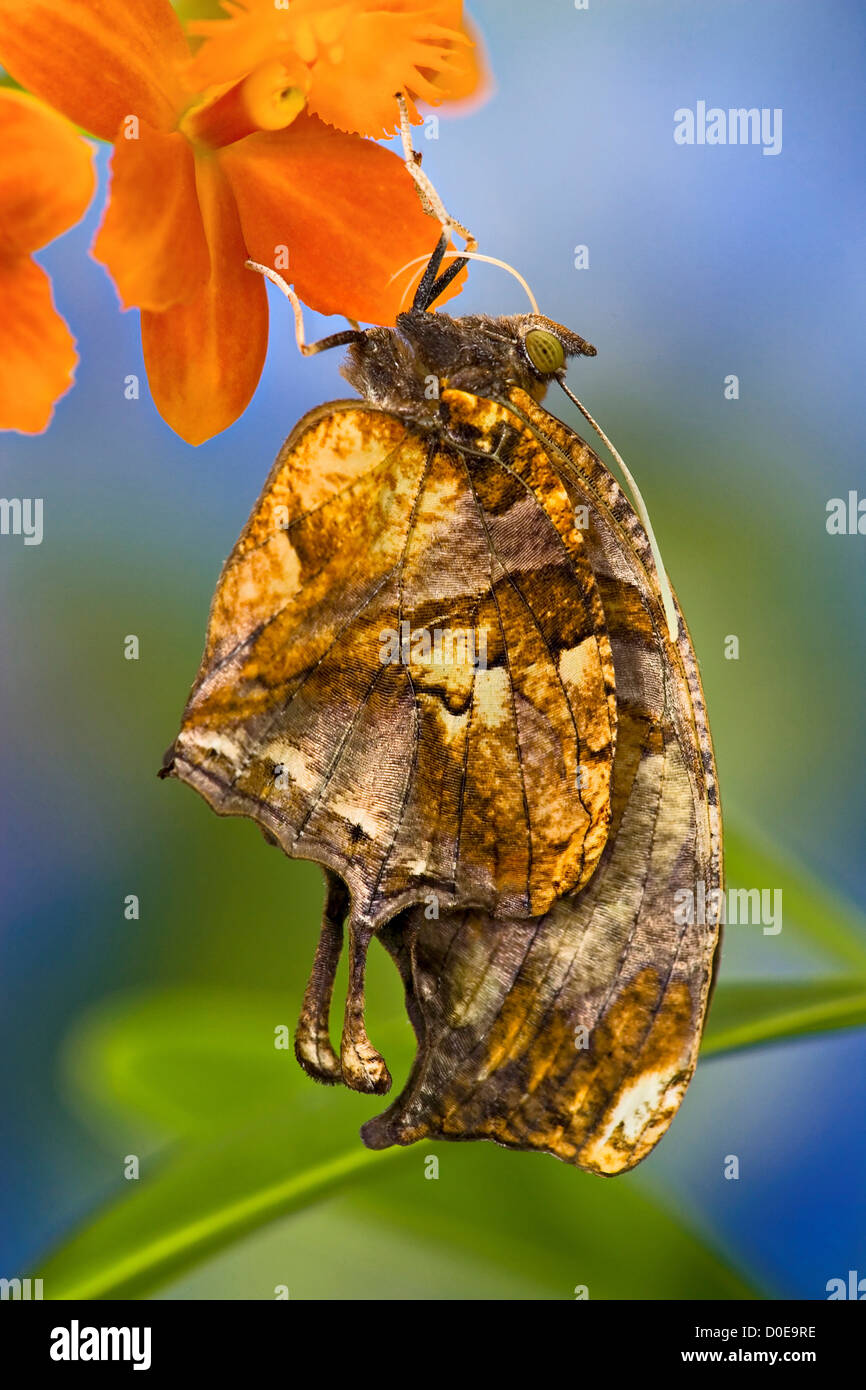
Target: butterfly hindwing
407,674
577,1033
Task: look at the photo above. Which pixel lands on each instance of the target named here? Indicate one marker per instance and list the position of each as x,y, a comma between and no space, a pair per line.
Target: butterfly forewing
407,674
577,1033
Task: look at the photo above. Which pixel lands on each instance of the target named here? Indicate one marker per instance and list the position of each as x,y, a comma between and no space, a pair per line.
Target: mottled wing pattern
577,1034
445,769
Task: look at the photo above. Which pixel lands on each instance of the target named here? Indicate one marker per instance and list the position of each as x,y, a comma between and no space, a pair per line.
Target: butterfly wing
407,665
577,1034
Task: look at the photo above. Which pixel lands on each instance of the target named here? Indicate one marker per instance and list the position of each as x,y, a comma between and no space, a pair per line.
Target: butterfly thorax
407,370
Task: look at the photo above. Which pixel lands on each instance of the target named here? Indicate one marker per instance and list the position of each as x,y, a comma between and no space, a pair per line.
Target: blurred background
153,1037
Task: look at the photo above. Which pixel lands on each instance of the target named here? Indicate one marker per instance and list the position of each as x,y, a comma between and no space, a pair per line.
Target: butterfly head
406,369
546,346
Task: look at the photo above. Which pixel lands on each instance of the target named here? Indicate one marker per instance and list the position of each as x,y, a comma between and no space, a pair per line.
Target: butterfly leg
430,200
348,335
312,1040
363,1068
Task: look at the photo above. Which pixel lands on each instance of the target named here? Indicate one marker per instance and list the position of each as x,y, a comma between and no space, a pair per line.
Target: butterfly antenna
641,509
462,258
348,335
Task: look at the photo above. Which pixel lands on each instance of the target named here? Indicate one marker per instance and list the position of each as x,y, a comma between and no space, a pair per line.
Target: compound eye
544,350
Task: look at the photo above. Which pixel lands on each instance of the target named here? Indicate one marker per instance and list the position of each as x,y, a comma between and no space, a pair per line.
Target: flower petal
467,80
359,53
46,174
98,61
381,51
37,351
152,239
256,31
204,358
346,209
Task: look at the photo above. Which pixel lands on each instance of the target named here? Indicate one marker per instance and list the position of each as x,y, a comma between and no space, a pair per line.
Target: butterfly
444,662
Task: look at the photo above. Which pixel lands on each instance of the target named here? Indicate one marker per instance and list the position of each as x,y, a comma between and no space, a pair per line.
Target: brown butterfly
444,662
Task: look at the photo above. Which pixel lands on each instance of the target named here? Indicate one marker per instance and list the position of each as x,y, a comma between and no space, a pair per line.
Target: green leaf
200,1199
811,909
559,1227
745,1014
187,1063
261,1142
570,1229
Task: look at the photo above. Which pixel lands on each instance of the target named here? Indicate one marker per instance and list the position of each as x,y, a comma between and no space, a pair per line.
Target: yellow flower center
265,100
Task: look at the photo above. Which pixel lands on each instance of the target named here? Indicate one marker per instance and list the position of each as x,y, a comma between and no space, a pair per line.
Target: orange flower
199,184
358,53
46,184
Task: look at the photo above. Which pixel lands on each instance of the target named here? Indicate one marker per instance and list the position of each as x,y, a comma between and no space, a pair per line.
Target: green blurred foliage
199,9
258,1141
